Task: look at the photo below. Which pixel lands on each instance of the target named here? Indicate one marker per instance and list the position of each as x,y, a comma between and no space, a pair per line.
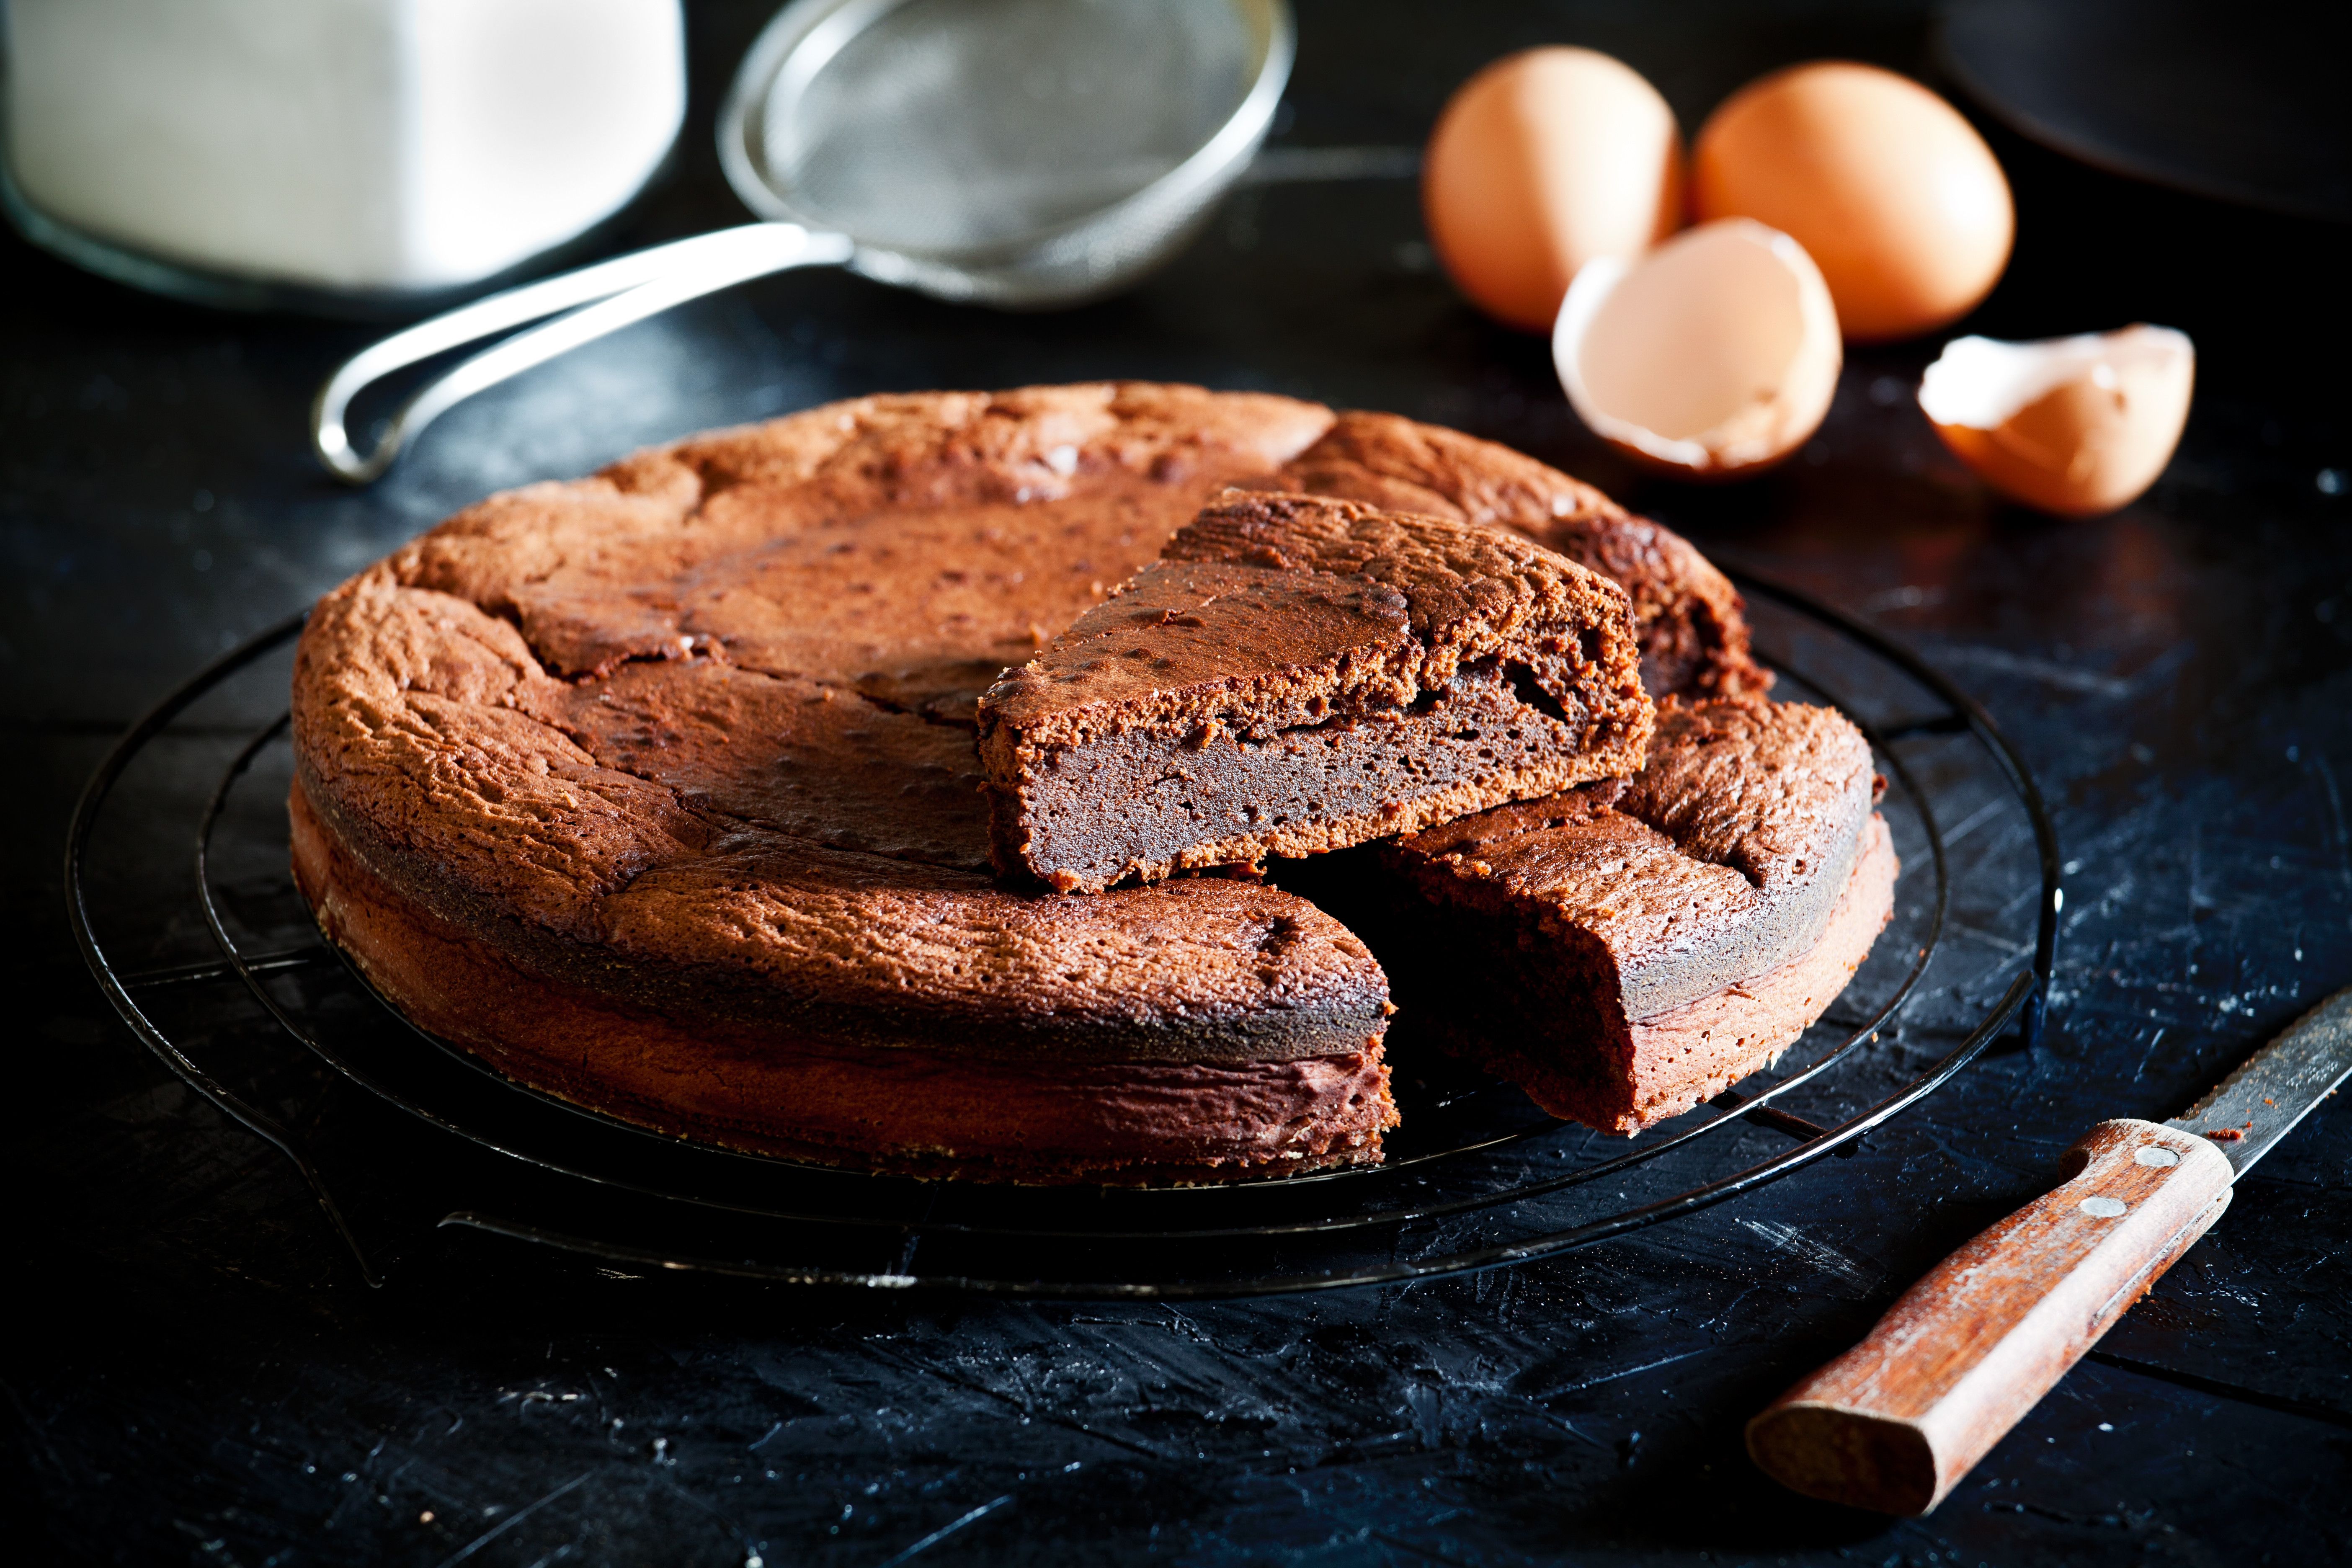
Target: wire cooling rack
214,962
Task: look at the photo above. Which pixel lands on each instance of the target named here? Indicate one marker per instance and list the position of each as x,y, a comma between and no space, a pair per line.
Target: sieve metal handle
601,298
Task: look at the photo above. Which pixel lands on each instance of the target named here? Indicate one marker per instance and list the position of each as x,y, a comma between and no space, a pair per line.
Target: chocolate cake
1625,949
659,791
1694,628
1296,675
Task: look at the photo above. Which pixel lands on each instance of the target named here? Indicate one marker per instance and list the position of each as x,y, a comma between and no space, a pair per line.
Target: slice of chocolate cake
1628,949
1295,675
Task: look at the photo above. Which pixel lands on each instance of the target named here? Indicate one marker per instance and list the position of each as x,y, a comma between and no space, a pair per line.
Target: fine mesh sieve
1008,152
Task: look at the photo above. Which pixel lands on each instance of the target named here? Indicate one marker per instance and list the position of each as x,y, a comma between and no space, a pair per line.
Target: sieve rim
1193,183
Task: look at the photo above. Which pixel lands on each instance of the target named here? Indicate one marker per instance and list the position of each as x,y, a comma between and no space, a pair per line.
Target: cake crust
1296,675
912,1110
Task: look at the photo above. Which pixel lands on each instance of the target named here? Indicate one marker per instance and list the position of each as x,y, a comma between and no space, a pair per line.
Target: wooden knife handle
1895,1423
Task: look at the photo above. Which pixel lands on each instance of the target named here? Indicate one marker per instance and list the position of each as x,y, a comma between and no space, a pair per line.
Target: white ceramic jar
358,148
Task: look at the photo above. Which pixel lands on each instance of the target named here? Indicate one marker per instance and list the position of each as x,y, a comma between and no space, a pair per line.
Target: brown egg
2073,425
1712,356
1540,163
1886,187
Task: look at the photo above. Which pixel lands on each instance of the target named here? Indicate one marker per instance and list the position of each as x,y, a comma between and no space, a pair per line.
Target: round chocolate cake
658,790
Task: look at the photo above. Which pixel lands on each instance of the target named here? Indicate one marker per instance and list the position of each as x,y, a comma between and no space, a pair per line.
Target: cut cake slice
1295,675
1625,949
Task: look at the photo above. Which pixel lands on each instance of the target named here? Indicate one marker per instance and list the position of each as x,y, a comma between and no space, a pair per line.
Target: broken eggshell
2076,425
1712,356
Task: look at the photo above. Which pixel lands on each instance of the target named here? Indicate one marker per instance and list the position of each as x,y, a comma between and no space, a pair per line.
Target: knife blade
2248,1112
1895,1423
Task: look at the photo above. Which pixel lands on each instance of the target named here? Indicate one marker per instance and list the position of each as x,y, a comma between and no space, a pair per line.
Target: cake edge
1765,1013
1104,1123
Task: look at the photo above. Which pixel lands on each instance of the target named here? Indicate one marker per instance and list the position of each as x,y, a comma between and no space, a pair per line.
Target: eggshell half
1889,189
1540,163
1714,355
2075,425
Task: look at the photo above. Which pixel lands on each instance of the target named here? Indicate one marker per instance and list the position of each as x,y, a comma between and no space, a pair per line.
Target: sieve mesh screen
944,124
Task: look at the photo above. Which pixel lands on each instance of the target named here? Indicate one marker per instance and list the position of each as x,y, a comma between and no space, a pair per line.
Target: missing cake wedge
1295,675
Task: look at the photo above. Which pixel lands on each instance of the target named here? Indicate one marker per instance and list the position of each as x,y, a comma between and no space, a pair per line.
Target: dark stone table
199,1374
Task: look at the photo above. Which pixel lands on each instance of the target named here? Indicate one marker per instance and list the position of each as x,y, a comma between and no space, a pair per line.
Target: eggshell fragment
1891,192
1714,355
2073,425
1540,163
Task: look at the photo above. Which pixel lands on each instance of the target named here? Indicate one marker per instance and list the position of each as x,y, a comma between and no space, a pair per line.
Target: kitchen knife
1895,1423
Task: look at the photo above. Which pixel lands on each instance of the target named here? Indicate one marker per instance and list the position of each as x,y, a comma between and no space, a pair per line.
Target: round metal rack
397,1133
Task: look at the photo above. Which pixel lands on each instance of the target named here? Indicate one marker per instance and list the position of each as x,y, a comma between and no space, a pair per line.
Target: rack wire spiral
396,1132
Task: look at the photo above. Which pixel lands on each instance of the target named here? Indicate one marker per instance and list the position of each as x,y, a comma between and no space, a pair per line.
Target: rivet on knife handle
1895,1423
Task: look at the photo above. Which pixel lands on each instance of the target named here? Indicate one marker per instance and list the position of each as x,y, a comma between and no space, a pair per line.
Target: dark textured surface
198,1375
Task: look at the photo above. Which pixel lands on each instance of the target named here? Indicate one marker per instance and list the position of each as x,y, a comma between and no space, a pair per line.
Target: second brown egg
1886,187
